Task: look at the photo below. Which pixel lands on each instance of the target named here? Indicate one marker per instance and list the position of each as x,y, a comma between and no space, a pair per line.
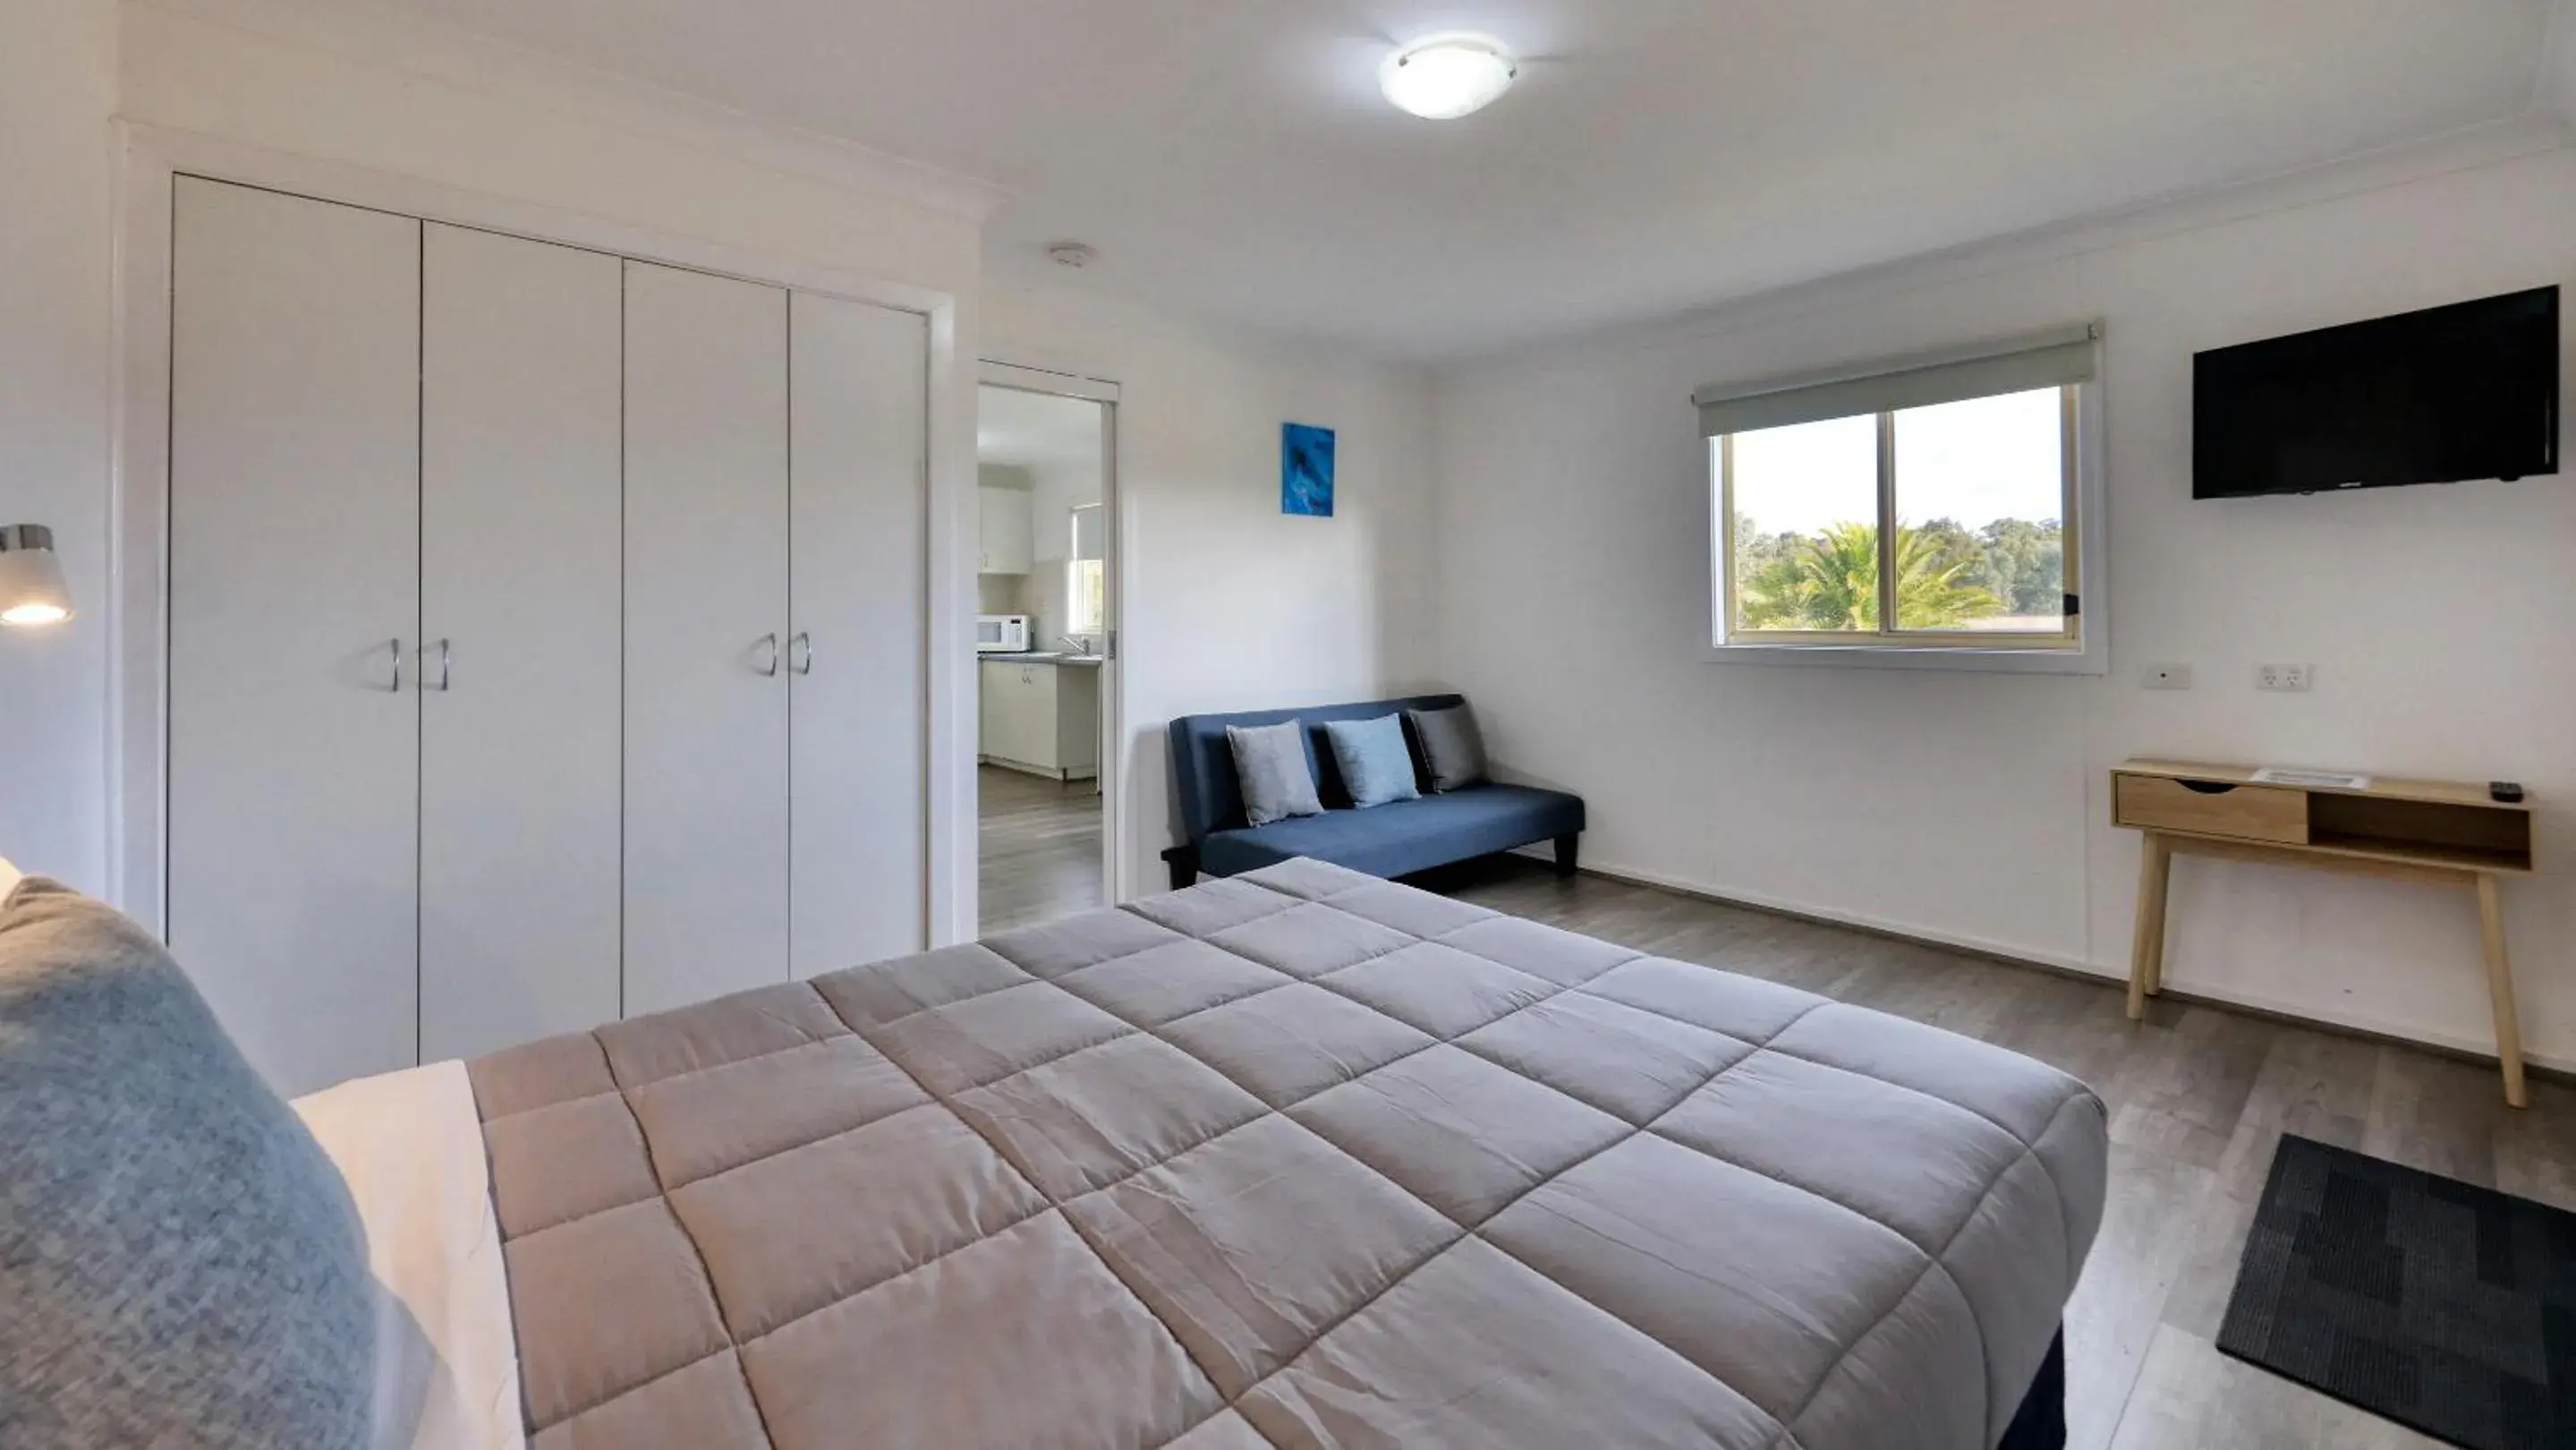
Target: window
1086,574
1926,508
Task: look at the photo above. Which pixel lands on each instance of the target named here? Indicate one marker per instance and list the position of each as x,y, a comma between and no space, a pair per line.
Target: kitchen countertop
1042,657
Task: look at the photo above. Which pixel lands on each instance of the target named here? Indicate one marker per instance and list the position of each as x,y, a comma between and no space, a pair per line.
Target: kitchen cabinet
1008,542
1042,717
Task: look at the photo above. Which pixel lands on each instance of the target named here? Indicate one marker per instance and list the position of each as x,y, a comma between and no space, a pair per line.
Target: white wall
1229,604
1565,586
57,92
1236,606
334,84
1973,807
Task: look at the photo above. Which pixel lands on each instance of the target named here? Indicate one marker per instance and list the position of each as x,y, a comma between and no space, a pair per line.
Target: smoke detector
1076,255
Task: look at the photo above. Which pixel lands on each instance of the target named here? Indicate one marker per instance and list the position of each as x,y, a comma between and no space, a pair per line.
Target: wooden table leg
2147,958
2164,913
2508,1027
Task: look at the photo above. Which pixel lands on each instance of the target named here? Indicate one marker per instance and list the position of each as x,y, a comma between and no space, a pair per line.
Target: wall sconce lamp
32,591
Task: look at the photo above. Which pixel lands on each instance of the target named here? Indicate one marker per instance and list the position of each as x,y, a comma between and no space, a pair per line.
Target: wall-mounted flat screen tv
2438,396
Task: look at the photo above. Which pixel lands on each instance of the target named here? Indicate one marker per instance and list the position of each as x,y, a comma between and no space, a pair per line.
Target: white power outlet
2168,677
2289,679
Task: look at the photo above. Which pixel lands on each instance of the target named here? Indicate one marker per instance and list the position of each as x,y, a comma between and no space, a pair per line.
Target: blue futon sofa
1391,840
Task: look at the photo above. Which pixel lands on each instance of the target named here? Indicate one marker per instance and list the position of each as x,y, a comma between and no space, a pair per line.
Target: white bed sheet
410,1145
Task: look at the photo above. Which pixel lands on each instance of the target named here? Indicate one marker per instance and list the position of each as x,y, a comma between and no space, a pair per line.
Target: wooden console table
2407,830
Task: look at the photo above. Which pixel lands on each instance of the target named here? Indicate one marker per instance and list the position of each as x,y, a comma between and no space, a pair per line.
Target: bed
1297,1158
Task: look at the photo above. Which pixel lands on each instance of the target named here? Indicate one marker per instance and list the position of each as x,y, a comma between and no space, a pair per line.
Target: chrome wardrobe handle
801,652
398,654
770,669
443,667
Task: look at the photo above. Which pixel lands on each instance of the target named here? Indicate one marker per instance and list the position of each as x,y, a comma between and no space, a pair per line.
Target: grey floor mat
2441,1305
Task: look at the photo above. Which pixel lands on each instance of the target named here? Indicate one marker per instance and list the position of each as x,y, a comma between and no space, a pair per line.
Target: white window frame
2087,654
1073,562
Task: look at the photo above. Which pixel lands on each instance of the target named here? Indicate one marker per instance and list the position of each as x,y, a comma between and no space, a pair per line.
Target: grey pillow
179,1263
1452,747
1375,762
1270,765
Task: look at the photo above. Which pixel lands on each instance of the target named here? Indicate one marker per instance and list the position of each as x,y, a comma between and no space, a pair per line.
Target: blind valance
2048,359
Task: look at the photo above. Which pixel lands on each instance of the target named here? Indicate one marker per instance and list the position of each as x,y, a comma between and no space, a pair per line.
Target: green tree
1754,549
1953,543
2028,564
1829,581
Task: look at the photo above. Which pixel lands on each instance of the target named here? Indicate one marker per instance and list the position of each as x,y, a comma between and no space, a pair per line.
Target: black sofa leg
1566,850
1184,861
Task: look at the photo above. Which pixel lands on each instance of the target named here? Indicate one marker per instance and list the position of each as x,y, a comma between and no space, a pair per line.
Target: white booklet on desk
2311,779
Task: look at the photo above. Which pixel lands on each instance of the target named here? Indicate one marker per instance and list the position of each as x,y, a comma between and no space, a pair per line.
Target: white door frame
995,373
149,160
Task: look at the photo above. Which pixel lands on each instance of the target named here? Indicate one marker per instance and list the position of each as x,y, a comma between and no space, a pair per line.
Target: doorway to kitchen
1046,671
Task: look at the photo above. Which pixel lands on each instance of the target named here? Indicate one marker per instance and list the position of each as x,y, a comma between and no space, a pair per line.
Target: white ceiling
1231,158
1036,430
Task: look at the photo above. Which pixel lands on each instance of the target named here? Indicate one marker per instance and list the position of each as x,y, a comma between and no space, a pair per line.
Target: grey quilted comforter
1300,1158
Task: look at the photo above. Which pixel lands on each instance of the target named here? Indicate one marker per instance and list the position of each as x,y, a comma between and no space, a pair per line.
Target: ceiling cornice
2537,131
469,62
2553,88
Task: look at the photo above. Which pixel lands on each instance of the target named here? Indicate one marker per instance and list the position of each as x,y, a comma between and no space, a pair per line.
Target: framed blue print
1306,471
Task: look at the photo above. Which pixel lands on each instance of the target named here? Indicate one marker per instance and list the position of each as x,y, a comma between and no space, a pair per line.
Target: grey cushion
1376,764
179,1263
1205,787
1452,746
1270,763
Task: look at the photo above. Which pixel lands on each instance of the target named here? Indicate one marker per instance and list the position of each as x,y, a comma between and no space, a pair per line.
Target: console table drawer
2240,812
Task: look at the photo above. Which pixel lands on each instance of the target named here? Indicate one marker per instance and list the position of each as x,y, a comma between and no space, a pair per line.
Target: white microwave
1001,634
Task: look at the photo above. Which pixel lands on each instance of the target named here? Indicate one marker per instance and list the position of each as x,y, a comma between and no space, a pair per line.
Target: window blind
2048,359
1090,522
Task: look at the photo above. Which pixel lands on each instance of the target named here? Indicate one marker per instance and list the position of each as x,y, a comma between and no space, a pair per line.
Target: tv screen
2450,393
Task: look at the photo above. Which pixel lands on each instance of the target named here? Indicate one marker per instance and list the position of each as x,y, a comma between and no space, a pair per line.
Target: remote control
2506,791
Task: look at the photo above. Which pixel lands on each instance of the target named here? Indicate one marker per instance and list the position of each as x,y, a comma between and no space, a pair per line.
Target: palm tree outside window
1941,526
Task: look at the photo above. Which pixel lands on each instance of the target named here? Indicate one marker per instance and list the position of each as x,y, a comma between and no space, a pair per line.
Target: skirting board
2253,1003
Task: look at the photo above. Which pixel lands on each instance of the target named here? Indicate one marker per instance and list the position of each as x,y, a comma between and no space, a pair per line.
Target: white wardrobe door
294,549
860,691
706,628
520,667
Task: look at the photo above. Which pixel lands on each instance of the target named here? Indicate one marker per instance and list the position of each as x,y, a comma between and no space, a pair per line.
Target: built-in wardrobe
546,633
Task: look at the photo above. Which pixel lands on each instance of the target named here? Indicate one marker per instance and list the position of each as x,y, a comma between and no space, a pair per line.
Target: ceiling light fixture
1076,255
1443,77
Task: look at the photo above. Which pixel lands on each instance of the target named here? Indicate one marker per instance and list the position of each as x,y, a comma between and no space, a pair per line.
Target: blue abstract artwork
1306,471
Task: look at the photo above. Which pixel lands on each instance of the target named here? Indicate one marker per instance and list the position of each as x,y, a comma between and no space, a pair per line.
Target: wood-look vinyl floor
2199,1098
1038,850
